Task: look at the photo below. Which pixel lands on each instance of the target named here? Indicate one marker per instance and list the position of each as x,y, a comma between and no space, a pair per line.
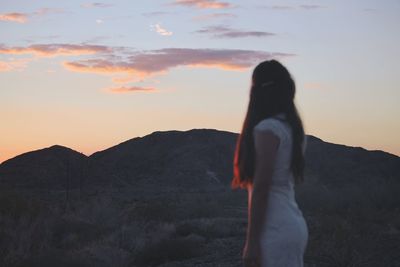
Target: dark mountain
164,200
340,165
54,167
198,158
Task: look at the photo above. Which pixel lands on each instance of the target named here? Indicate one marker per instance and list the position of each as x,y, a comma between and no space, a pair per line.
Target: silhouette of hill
164,200
197,158
47,168
341,165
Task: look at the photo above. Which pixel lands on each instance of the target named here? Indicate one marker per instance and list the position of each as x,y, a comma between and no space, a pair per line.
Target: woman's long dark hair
272,92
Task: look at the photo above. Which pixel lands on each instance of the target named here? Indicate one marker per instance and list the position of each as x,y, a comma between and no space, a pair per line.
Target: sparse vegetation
358,229
102,232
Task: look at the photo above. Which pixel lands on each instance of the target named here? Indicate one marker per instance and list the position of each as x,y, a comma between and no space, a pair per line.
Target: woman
268,162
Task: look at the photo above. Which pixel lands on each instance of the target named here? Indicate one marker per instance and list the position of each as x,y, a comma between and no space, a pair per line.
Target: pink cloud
214,16
131,89
159,61
284,7
137,65
23,17
14,17
213,4
225,32
4,66
160,30
45,11
104,66
51,50
14,64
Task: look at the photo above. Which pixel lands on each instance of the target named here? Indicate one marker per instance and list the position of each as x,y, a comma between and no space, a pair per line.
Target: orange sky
133,69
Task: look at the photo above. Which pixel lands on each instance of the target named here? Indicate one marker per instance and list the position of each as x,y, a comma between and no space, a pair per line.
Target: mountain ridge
196,158
310,137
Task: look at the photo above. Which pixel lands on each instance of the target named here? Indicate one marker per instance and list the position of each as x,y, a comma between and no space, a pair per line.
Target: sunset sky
90,75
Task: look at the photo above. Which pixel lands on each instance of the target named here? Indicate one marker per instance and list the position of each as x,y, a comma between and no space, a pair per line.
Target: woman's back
281,128
285,233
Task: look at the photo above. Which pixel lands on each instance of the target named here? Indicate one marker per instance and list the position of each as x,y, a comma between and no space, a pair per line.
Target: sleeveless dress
285,233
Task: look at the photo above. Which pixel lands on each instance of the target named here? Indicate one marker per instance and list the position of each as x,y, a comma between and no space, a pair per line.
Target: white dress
285,233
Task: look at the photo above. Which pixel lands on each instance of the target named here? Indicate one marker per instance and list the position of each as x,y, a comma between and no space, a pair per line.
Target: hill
194,159
54,167
164,200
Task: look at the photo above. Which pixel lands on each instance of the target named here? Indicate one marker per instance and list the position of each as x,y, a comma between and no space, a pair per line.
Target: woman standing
268,162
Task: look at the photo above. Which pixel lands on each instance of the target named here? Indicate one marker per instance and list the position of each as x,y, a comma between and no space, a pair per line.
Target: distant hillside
164,200
340,165
47,168
198,158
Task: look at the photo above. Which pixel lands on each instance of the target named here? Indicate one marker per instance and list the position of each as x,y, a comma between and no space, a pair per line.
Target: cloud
214,16
212,4
99,5
23,17
104,66
5,66
126,65
46,11
284,7
225,32
160,30
131,89
128,79
14,17
51,50
14,64
160,61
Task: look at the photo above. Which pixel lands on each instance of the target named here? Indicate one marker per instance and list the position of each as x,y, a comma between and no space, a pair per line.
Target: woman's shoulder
267,123
272,124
